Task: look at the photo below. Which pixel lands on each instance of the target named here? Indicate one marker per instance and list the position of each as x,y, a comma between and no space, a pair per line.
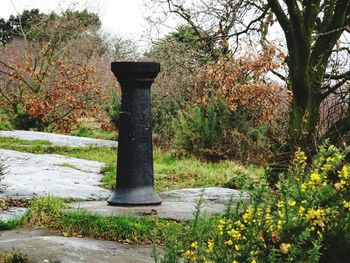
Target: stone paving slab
31,175
46,246
12,213
167,210
213,195
177,204
58,139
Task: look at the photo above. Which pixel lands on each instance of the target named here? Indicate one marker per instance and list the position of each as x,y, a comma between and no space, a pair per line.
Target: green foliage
101,154
134,230
82,131
164,111
15,26
200,128
306,219
46,211
13,257
26,25
12,224
170,171
6,126
24,121
113,110
50,212
215,133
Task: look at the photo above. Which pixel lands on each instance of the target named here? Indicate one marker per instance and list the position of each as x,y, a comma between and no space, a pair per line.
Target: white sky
121,17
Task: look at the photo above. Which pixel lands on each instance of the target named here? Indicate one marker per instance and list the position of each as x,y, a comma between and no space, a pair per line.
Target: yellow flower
303,187
285,247
248,215
300,157
301,210
280,213
292,203
239,224
330,159
315,177
191,255
280,204
210,245
279,224
194,245
221,226
344,176
237,247
228,242
317,217
235,234
346,204
253,261
235,261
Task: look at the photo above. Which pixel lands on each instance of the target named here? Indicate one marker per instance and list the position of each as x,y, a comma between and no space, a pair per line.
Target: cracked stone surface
214,195
42,245
58,139
31,175
177,204
12,213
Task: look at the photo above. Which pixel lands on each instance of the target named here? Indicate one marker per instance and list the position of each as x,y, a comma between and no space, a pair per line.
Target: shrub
113,110
83,131
46,211
164,111
5,126
214,132
307,219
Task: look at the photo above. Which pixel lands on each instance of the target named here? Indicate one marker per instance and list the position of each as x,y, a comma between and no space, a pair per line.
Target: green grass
12,224
68,165
13,257
170,172
49,211
101,154
97,134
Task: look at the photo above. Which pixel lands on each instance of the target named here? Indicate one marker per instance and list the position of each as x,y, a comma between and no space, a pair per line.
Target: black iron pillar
135,185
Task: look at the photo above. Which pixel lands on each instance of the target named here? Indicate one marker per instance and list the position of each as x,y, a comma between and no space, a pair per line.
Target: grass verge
170,172
50,212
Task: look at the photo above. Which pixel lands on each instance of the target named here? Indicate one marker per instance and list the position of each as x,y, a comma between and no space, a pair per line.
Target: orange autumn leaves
243,83
57,93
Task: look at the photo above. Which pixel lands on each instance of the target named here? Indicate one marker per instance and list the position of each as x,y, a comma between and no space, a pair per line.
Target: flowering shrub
307,219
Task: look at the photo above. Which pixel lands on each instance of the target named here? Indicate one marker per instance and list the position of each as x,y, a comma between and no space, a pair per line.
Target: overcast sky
122,17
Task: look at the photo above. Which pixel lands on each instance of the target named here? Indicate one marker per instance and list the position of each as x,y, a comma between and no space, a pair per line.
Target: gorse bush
113,110
307,219
164,112
199,128
214,132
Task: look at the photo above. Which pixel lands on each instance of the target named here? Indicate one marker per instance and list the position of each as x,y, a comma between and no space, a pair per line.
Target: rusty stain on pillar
134,182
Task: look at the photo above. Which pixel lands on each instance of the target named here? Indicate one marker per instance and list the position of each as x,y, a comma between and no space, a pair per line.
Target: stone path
58,139
41,245
32,175
177,204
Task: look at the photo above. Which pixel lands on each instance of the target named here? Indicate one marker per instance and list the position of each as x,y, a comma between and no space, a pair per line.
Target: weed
46,211
12,257
68,165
